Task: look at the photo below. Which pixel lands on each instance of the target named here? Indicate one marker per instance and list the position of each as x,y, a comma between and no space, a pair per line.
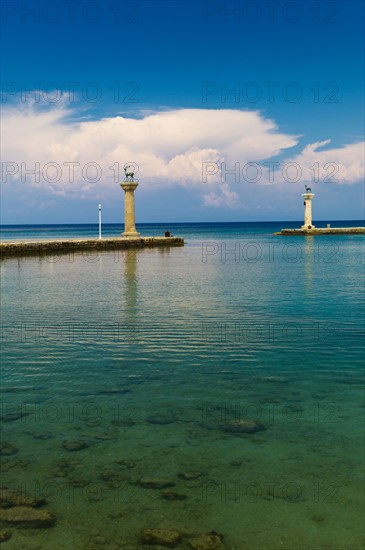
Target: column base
308,227
131,234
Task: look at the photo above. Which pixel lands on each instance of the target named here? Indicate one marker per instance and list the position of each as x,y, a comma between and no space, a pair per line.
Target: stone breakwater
323,231
65,246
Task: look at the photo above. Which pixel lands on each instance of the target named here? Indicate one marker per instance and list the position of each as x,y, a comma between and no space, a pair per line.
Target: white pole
99,221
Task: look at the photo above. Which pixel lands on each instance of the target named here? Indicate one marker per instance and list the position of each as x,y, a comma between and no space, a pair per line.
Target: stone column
308,210
129,222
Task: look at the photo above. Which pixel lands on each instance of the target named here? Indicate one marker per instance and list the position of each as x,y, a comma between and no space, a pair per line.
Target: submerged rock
74,445
68,463
43,435
80,482
10,417
126,464
211,541
155,483
104,437
9,498
318,518
25,516
114,391
161,419
190,475
99,540
59,473
123,422
164,537
11,464
242,426
6,449
275,379
108,474
173,495
5,535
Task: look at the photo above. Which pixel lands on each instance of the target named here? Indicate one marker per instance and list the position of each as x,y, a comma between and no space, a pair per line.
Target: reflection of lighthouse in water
308,196
309,259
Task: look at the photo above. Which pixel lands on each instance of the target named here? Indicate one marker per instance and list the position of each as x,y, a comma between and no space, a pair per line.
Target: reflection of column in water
131,286
163,250
308,258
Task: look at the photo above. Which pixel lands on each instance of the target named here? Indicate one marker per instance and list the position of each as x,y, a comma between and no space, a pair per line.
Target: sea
215,390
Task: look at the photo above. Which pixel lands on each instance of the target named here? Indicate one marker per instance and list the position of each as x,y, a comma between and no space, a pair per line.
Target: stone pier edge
323,231
62,246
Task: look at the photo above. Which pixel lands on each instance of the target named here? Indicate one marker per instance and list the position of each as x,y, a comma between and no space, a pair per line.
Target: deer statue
129,175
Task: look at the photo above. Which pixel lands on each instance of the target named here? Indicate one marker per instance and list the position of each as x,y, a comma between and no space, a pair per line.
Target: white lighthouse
308,196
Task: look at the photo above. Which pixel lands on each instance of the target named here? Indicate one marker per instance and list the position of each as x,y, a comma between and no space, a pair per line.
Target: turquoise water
152,360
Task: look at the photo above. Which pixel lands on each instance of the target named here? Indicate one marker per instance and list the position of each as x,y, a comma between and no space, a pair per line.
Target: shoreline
60,246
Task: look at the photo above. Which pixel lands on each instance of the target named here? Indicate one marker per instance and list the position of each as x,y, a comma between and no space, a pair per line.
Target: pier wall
323,231
64,246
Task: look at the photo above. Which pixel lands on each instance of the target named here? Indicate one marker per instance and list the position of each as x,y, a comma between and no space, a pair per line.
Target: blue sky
145,76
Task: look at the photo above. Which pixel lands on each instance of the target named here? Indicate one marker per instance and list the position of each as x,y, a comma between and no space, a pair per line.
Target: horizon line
176,222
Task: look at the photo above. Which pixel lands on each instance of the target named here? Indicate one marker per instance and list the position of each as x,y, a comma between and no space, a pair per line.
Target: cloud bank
81,158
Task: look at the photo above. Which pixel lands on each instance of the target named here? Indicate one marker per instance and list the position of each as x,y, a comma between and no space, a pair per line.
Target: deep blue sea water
188,230
158,363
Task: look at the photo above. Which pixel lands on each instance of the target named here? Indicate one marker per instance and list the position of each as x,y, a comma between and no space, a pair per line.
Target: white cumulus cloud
340,165
82,158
